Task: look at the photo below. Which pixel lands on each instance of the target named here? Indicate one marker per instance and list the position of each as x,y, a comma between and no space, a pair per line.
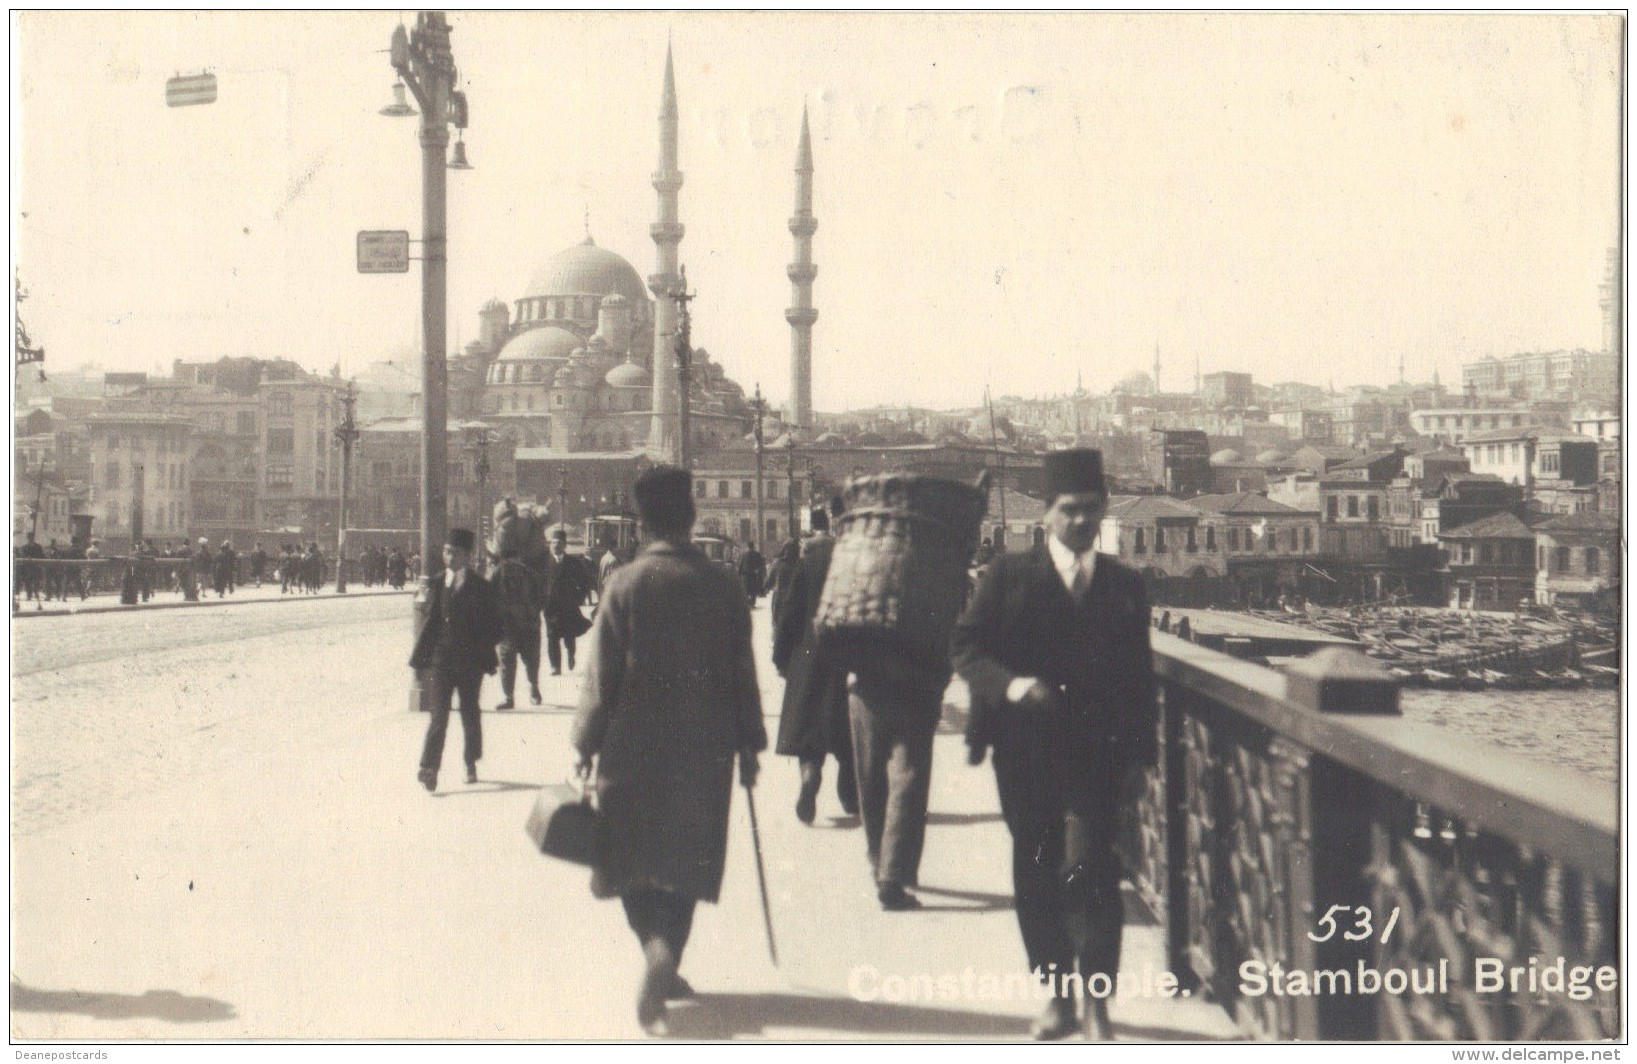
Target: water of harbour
1574,729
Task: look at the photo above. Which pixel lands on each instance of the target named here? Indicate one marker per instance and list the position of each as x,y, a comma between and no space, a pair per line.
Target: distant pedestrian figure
568,582
518,590
227,561
455,648
258,564
781,574
669,699
752,572
397,569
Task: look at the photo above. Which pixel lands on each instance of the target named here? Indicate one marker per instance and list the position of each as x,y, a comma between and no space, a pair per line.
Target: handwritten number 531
1363,925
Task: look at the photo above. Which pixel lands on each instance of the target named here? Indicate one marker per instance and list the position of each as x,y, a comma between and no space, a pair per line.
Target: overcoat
813,717
670,696
1024,622
474,628
567,581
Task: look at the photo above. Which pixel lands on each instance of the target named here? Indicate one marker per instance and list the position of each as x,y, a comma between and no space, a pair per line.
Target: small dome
1226,456
629,375
614,299
545,342
1270,456
564,378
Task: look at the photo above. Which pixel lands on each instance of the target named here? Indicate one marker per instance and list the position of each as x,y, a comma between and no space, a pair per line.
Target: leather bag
563,823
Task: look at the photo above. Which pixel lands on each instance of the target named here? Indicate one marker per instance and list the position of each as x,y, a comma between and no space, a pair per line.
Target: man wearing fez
813,720
1054,646
669,701
456,646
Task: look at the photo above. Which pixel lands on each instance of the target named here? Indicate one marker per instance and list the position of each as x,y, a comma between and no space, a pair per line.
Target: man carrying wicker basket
1054,647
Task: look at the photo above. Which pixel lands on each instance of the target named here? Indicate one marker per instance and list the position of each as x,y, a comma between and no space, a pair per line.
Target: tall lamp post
479,445
759,405
790,481
562,498
427,67
347,433
684,371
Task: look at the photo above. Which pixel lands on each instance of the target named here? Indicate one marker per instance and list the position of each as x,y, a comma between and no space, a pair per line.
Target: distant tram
618,530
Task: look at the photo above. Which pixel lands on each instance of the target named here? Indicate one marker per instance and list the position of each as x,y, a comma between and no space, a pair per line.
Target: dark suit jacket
1024,622
813,719
474,627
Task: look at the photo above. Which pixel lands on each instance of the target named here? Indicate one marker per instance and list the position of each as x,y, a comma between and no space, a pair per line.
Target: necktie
1082,580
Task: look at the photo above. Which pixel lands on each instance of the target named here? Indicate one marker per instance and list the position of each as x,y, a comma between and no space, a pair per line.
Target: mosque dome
587,270
1270,456
629,375
543,342
1226,456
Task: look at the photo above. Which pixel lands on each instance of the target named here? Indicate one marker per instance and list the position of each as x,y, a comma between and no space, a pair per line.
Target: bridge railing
1325,869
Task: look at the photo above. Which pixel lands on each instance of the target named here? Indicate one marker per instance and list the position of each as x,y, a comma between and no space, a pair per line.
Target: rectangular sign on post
383,251
189,90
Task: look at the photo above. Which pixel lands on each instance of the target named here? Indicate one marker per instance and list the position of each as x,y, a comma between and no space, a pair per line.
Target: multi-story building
1456,499
1491,563
1454,424
1598,421
725,497
1230,390
1577,559
384,489
140,456
1267,547
1523,456
1305,423
224,466
1163,537
301,457
1573,375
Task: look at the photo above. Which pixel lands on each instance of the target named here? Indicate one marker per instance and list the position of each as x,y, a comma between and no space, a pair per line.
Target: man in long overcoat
518,589
813,720
455,648
567,579
670,699
1054,647
752,572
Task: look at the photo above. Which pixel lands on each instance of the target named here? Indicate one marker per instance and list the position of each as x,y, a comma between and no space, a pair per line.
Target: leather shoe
680,989
656,980
428,778
508,704
895,899
1056,1023
807,800
534,697
847,792
1098,1027
471,773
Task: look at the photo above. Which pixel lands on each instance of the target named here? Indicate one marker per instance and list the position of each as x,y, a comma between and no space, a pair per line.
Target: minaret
801,314
1609,294
1156,369
667,234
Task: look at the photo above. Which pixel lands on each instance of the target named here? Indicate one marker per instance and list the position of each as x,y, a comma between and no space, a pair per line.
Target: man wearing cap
456,646
669,701
1054,647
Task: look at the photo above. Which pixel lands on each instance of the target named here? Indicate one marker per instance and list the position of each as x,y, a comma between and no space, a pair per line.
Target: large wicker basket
898,574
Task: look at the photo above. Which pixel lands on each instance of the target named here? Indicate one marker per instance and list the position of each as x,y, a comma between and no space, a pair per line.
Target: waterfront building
1570,375
1491,563
725,495
140,477
1268,548
1577,559
1452,424
1163,537
384,495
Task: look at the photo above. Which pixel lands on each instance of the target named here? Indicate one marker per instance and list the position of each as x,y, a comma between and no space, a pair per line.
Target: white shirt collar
1067,562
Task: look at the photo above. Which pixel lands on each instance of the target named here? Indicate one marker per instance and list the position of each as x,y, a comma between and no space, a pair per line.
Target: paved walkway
304,886
165,600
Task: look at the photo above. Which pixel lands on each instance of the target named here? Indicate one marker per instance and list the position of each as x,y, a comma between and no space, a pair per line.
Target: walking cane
761,876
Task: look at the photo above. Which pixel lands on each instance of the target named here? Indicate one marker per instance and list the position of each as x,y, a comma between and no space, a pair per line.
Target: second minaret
667,234
801,315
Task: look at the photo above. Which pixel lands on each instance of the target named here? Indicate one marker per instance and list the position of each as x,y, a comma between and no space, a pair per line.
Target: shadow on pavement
980,901
724,1016
153,1004
487,787
960,819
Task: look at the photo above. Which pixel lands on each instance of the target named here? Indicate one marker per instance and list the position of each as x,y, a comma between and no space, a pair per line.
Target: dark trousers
444,688
555,642
660,914
892,725
1066,872
525,644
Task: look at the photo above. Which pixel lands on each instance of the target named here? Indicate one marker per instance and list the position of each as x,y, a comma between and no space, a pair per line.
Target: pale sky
1002,199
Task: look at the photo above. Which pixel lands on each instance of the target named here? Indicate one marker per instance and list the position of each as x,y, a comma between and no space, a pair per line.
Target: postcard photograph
817,527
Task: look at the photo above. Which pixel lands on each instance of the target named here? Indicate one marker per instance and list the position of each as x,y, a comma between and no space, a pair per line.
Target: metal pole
759,404
39,500
427,67
790,484
562,498
346,432
684,371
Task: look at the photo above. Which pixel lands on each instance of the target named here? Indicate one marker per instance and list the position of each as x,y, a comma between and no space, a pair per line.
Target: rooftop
1496,526
1242,502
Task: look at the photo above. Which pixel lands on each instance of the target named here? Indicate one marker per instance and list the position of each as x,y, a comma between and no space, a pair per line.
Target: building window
281,441
1233,539
1374,508
278,404
699,489
772,489
747,529
1159,540
721,489
773,528
1307,539
1594,560
1138,545
1332,507
1562,559
746,489
1192,546
1210,537
280,475
1352,506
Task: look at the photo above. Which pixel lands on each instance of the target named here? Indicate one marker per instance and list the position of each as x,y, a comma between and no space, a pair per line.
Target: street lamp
790,480
759,405
684,370
426,67
562,498
479,444
347,433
